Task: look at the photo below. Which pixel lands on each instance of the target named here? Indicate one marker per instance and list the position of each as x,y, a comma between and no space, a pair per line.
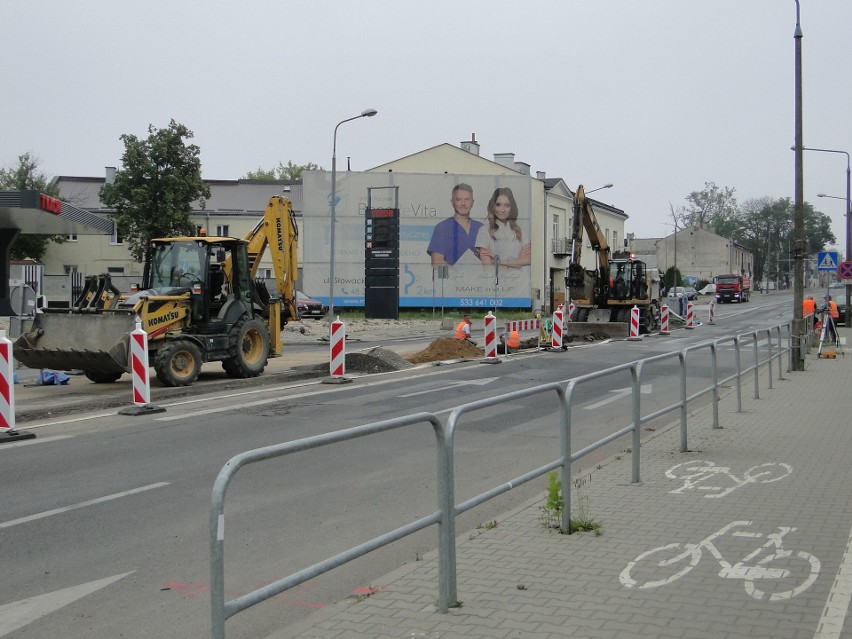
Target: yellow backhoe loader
200,302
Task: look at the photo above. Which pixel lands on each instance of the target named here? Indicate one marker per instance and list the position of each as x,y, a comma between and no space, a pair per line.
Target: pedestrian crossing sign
827,261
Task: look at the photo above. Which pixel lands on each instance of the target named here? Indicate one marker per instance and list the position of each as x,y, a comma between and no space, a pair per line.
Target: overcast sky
656,96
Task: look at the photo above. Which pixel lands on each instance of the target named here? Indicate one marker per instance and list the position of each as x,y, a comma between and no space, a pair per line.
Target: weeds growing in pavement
551,510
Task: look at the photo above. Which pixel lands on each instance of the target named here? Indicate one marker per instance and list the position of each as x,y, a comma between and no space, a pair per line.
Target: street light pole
366,113
798,362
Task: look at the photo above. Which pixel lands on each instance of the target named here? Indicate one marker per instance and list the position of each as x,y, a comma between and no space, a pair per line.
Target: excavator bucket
97,342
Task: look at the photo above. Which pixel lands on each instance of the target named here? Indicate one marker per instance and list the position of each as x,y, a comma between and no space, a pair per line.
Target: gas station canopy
34,212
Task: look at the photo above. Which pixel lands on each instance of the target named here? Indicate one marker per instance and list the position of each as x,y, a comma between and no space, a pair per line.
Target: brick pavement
522,580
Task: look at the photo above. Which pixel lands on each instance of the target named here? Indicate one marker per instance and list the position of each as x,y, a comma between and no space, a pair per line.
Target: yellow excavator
607,293
200,301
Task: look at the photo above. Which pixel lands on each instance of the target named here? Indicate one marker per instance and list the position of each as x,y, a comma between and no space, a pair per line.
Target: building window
555,227
69,268
116,239
607,238
615,241
264,273
71,237
115,270
222,230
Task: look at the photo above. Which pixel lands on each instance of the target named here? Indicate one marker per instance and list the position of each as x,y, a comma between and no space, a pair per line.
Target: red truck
732,288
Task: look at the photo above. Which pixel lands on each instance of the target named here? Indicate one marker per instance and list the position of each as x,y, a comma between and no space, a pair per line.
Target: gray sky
655,96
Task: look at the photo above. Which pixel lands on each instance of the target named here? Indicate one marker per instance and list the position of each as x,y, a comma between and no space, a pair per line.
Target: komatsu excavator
607,293
199,302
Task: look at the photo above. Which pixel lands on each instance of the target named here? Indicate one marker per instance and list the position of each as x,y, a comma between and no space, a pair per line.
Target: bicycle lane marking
699,471
837,604
648,570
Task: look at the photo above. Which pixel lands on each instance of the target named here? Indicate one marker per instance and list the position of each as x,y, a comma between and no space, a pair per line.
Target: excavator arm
276,232
584,285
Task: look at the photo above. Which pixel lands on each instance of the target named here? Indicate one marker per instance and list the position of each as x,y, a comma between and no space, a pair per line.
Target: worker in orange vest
514,341
808,306
463,329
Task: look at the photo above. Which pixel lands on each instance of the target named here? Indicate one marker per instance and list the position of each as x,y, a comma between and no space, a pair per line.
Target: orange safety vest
808,307
460,333
514,340
832,308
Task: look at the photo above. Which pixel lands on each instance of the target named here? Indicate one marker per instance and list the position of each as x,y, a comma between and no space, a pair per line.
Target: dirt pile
446,348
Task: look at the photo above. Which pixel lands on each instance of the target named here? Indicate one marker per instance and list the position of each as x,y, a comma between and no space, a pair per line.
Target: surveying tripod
828,332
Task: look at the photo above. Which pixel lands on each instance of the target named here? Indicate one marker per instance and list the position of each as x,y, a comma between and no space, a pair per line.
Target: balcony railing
561,246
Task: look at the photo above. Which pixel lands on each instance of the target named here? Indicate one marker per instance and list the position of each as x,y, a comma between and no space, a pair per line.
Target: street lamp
848,223
600,188
366,113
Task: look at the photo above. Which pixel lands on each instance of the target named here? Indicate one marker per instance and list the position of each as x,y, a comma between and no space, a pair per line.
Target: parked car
677,291
691,293
309,307
710,289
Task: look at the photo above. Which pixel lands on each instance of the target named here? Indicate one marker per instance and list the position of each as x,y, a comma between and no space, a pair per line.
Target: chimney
110,175
471,146
522,167
541,175
505,159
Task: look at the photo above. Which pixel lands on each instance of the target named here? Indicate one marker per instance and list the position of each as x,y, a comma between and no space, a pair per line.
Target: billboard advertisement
464,240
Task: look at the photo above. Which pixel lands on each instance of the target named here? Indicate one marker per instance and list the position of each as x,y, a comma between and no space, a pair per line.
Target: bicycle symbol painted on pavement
698,475
769,573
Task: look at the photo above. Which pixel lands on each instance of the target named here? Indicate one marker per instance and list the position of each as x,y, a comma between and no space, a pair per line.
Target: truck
732,288
607,293
199,301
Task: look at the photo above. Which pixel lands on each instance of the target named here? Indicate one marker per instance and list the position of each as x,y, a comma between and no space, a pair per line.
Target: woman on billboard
501,237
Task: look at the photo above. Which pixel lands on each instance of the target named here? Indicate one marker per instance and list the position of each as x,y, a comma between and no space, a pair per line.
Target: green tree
291,172
27,177
705,208
153,190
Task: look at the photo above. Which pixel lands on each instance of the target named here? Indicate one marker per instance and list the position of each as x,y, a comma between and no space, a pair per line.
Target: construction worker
513,342
808,306
463,329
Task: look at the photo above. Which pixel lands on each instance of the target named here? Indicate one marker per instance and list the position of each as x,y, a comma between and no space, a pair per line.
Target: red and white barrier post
7,395
664,320
337,353
712,319
690,317
140,371
491,339
634,324
571,308
556,331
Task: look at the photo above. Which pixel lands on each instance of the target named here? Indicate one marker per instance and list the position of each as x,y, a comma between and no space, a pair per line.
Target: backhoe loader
199,302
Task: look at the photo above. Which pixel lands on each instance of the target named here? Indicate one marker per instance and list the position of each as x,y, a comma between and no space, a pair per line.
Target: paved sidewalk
783,539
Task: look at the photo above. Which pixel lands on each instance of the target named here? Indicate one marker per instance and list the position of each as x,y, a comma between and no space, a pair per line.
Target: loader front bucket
97,342
597,330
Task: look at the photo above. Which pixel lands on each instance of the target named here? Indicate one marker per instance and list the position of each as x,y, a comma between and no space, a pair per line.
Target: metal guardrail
446,509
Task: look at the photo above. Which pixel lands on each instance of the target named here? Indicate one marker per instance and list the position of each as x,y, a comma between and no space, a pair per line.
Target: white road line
836,605
82,504
30,442
18,614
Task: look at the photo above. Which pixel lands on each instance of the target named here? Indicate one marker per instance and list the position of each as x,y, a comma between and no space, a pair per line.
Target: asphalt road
104,518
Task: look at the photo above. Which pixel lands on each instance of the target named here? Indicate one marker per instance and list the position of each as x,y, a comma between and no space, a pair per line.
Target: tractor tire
248,349
100,377
178,363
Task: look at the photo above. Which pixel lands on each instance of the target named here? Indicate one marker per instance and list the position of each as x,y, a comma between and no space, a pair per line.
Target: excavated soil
445,348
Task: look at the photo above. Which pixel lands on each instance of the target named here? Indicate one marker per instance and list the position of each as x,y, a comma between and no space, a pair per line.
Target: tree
153,190
291,172
713,204
26,177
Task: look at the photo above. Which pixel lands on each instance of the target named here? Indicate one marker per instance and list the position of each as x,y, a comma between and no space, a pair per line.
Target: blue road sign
827,261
